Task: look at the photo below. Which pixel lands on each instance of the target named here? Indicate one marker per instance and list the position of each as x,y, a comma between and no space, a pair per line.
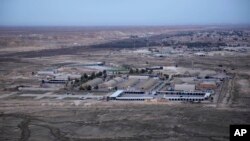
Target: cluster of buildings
182,84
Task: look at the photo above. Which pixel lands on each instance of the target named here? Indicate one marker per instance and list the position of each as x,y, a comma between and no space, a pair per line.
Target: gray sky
123,12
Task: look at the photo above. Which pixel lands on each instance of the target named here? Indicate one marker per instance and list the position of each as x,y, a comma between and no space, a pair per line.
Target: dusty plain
27,50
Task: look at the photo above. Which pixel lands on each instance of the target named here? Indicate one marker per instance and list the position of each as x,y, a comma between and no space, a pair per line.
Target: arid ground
26,119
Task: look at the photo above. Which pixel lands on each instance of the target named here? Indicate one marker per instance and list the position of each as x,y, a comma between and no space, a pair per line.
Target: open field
61,121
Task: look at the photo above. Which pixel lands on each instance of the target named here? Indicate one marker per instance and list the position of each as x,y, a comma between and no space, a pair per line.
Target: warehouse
185,96
134,92
134,98
184,87
199,93
168,95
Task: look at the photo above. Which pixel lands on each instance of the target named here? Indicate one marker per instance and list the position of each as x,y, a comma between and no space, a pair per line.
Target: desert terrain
59,113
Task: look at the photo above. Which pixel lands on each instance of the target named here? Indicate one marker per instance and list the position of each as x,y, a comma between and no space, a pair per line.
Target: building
192,96
184,96
207,85
129,96
116,94
184,87
135,98
138,77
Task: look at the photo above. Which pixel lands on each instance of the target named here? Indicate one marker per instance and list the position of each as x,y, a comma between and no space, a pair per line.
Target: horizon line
170,25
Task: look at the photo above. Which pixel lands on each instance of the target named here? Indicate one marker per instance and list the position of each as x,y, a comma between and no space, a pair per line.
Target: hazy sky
123,12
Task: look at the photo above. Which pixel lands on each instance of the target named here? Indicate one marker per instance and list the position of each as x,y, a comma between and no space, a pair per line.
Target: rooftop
116,94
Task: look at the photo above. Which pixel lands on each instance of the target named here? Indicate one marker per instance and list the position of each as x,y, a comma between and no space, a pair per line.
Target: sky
123,12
